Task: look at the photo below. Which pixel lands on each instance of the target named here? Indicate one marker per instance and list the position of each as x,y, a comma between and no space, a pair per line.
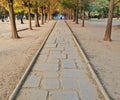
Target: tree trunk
83,17
14,34
49,16
71,17
89,17
49,13
45,17
118,12
109,23
36,18
29,15
77,13
74,19
42,16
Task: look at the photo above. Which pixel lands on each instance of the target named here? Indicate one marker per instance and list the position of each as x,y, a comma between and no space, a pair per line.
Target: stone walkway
60,72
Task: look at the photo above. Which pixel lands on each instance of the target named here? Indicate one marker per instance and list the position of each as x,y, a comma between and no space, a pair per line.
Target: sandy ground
15,55
104,56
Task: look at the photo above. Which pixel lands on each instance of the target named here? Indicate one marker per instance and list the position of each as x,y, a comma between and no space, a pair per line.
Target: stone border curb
30,66
104,92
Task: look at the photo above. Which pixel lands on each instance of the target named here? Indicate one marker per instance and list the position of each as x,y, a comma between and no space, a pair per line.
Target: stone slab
50,45
57,49
69,83
68,64
58,56
80,64
87,90
52,60
63,95
50,74
32,81
50,83
74,73
46,67
32,94
55,52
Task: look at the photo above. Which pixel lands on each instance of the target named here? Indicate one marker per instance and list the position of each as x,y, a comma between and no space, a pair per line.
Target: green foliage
70,4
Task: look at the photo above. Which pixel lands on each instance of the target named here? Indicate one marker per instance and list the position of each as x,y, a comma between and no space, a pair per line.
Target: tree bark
89,17
77,12
42,16
118,12
74,19
71,17
49,13
36,18
83,17
14,34
29,15
45,17
107,36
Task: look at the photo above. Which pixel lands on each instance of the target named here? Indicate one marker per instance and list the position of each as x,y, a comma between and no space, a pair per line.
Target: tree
36,4
77,10
71,5
26,4
29,15
12,20
107,36
9,3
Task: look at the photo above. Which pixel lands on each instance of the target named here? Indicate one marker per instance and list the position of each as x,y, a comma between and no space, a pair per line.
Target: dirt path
15,55
104,56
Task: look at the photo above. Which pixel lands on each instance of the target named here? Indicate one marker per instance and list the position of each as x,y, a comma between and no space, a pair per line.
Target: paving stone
59,56
51,74
50,83
46,67
57,49
32,94
72,56
52,60
80,64
32,81
63,95
87,90
55,52
69,83
63,44
73,73
48,45
51,40
68,64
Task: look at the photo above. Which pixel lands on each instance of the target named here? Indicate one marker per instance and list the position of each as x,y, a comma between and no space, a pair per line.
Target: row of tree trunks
14,34
107,36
